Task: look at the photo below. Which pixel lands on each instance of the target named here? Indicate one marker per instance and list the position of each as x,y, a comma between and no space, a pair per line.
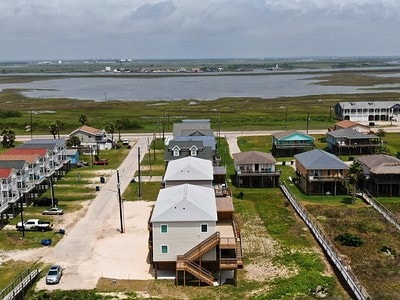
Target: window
164,249
193,151
176,151
204,228
164,228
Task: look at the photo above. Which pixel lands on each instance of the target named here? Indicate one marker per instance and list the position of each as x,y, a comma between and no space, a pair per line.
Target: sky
190,29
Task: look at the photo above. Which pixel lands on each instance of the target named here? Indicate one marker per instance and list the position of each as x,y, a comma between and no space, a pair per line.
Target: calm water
176,88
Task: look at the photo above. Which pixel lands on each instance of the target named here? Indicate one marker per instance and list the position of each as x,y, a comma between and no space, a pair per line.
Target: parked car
34,225
54,274
101,162
53,211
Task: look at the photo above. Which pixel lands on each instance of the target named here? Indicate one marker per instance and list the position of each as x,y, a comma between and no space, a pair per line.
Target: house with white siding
189,235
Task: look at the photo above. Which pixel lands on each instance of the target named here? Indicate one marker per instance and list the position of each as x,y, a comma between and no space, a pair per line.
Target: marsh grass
249,113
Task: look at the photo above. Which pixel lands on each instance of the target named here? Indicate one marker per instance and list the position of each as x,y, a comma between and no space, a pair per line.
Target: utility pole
285,117
120,203
140,180
308,121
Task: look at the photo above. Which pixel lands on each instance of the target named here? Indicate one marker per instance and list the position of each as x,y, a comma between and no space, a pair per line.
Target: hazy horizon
188,29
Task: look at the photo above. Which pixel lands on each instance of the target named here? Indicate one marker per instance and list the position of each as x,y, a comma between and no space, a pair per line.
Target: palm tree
109,128
83,119
355,172
59,124
119,125
53,129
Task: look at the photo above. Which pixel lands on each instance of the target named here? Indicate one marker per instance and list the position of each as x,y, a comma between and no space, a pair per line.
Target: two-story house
22,179
351,142
381,174
57,150
179,149
255,169
368,111
288,143
188,236
92,139
8,191
320,172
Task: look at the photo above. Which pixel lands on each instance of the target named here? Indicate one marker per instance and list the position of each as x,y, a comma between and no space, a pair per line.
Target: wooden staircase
187,262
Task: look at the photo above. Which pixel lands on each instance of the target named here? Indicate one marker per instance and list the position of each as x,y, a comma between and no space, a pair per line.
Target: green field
262,213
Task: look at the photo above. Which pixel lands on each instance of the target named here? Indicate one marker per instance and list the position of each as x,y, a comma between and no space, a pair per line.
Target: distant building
370,111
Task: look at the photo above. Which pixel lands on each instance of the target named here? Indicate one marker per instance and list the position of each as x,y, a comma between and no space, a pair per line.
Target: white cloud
192,28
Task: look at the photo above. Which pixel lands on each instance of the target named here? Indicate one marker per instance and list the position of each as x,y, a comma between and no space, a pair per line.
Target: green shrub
347,239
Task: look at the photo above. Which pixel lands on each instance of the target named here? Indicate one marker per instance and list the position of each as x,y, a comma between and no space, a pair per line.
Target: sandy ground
93,246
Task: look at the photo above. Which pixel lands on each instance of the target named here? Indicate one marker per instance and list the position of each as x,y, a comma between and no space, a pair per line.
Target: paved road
95,246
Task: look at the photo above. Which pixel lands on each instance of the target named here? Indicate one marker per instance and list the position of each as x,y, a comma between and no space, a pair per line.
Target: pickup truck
34,225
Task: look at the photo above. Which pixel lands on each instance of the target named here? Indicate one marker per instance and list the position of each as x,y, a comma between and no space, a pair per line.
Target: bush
347,239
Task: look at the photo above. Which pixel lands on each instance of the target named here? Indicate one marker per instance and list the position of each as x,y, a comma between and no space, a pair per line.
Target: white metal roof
184,203
189,168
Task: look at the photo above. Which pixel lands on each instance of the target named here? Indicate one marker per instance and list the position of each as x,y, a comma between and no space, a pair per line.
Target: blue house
73,156
288,143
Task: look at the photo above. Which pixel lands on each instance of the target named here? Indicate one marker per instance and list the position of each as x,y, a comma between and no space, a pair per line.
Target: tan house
381,174
255,169
352,125
193,234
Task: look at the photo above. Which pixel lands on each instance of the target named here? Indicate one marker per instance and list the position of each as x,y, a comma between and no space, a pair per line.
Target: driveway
95,247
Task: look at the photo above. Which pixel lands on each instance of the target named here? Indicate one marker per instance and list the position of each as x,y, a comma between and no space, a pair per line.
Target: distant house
57,153
371,111
288,143
351,142
179,149
352,125
189,235
195,130
191,170
320,172
73,156
381,174
23,183
92,138
255,169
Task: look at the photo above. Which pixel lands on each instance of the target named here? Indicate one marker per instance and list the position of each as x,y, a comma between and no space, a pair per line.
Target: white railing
387,214
358,290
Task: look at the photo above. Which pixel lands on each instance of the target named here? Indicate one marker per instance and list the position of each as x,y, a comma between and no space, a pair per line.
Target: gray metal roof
58,142
318,159
185,144
15,164
189,168
186,127
367,104
185,203
349,133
